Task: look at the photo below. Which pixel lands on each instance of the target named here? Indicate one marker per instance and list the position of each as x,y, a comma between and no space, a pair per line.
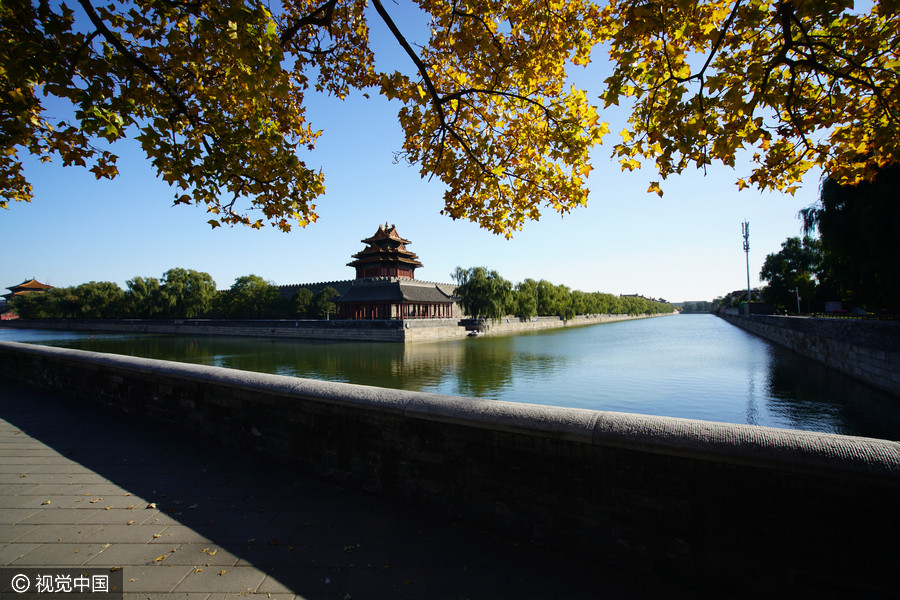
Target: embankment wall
513,325
408,330
866,350
748,511
337,330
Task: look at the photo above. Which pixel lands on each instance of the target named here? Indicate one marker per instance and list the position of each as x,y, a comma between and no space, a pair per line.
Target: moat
689,366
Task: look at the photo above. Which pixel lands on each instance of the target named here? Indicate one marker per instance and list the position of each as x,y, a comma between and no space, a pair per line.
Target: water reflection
691,366
807,395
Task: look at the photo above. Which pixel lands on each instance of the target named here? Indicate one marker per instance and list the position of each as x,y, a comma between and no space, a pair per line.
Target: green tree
99,300
565,302
34,305
858,230
547,300
323,305
526,299
187,293
301,303
251,296
790,271
143,297
483,293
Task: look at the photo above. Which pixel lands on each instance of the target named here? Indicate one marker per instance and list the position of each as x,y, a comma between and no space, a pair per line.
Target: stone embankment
755,511
865,350
408,330
512,325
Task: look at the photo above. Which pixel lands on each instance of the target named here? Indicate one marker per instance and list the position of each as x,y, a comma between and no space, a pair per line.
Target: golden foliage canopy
214,91
797,84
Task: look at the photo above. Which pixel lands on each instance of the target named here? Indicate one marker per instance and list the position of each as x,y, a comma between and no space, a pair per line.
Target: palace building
385,286
26,287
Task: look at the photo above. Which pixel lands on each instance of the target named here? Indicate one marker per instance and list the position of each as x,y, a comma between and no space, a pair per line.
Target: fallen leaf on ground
159,558
45,502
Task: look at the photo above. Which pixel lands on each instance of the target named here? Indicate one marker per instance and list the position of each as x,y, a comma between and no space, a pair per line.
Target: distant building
385,286
31,285
26,287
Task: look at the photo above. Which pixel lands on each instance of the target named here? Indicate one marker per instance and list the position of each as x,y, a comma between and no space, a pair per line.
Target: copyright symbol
20,583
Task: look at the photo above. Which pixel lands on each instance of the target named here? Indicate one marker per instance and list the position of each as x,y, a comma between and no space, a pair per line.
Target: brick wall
731,510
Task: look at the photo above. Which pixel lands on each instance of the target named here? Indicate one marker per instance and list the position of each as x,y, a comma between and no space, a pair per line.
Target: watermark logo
58,583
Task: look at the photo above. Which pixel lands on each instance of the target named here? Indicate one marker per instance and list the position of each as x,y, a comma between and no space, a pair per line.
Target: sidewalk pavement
186,519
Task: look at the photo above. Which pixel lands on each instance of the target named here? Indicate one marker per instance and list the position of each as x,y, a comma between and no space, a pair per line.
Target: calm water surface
691,366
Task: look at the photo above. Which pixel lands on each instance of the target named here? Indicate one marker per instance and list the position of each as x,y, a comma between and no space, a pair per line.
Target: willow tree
215,92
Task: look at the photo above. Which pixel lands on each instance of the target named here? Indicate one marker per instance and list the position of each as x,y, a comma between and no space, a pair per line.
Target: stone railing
720,509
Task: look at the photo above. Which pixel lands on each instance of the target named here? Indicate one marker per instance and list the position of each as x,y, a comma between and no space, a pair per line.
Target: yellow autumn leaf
218,95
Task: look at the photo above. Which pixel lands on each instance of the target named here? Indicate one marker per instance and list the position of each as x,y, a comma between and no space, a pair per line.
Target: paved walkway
185,519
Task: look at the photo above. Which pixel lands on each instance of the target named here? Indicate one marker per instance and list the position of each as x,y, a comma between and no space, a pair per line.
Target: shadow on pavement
210,510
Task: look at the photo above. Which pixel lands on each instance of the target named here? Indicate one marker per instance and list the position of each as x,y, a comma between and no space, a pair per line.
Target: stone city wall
866,350
395,330
754,511
411,330
513,325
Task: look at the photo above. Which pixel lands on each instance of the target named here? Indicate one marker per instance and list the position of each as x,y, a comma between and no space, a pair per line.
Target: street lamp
797,291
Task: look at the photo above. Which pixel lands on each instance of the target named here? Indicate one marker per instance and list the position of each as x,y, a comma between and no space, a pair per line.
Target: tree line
178,294
853,259
483,293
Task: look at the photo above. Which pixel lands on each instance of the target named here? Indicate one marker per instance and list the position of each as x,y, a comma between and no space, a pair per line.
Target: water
691,366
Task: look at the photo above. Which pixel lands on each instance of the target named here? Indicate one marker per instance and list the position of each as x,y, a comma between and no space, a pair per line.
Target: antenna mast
745,228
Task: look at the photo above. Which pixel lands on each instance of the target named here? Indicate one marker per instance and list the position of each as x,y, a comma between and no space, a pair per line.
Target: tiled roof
30,284
394,291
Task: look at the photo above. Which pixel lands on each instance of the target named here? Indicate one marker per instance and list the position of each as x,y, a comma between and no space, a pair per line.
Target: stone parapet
756,511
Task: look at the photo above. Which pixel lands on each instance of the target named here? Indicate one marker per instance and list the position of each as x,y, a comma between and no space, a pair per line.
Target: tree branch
321,17
116,43
429,85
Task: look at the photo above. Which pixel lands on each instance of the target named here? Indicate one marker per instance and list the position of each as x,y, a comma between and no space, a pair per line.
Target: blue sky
686,245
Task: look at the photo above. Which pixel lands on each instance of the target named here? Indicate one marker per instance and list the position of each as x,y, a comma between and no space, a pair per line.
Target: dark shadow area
315,538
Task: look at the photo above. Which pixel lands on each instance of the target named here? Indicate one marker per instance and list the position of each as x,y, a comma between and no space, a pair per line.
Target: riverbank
868,351
394,330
